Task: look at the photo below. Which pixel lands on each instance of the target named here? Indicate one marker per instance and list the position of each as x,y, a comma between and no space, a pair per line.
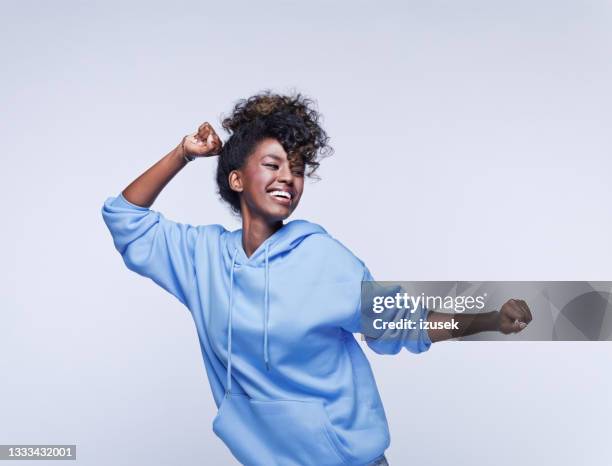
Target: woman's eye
271,165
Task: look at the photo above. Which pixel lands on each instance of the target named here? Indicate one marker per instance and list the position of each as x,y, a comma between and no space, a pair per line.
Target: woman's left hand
514,316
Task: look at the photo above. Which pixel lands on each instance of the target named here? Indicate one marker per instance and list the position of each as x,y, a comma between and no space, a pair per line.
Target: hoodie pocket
279,432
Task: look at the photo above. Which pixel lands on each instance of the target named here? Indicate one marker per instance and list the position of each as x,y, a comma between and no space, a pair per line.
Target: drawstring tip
267,366
228,394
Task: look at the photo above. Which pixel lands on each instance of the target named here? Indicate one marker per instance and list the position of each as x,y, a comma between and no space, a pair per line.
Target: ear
235,181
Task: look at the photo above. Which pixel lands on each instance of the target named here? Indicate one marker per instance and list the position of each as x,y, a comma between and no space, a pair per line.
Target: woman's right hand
203,143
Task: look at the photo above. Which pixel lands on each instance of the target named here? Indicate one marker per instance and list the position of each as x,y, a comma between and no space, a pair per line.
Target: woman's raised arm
144,190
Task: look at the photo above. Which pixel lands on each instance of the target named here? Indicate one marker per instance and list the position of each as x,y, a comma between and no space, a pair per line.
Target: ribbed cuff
121,201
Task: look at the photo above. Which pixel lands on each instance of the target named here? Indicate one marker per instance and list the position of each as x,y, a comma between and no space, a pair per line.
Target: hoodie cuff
426,341
121,201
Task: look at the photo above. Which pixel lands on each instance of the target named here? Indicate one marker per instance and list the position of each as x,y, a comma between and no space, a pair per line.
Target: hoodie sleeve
153,246
392,341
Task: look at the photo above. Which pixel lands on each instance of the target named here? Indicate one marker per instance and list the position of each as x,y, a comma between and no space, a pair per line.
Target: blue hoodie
291,383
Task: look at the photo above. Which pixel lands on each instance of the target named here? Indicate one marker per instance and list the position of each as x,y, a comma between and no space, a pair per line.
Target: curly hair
290,119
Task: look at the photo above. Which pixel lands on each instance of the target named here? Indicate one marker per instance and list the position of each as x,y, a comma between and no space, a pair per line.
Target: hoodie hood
280,243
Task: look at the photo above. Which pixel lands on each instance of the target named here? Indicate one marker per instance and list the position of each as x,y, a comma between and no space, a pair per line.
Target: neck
255,231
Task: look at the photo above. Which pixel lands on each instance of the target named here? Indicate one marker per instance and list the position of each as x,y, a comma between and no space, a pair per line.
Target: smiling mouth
282,197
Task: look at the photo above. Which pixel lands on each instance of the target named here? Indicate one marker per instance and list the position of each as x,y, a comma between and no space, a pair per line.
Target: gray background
472,143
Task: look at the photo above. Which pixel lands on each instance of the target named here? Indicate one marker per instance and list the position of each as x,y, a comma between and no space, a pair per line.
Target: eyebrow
276,157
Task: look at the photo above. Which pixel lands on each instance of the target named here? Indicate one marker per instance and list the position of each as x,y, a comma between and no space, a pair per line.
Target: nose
285,175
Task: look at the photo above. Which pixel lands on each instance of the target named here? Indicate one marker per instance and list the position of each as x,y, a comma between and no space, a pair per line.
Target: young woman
275,304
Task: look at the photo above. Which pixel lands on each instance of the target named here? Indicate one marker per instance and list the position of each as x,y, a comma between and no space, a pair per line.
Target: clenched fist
203,143
514,316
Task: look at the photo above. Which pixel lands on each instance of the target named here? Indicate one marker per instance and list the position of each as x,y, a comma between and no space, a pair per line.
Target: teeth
281,193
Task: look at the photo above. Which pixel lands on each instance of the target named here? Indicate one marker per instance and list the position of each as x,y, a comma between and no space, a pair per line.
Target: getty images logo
414,302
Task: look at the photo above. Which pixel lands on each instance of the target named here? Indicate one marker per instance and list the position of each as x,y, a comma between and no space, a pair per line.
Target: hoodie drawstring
266,350
228,383
266,311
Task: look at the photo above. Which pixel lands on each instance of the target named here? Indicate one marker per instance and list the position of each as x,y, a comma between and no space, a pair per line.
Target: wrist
494,321
181,154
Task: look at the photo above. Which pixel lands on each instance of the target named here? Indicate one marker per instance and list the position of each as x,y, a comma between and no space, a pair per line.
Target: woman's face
270,188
